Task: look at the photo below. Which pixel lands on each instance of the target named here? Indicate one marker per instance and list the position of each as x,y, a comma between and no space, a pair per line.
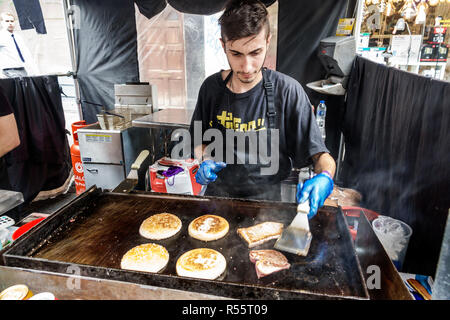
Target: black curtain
205,7
301,26
30,15
398,153
106,47
42,160
150,8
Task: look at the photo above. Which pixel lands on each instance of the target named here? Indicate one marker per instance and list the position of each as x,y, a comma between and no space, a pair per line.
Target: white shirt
9,56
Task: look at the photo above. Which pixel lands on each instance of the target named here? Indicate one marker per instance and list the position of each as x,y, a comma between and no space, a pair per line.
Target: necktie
18,49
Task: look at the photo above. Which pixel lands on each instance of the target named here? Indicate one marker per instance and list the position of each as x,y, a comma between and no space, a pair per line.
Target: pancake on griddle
160,226
149,257
202,263
208,227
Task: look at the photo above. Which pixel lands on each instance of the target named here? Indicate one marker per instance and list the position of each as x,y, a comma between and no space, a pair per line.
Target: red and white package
175,176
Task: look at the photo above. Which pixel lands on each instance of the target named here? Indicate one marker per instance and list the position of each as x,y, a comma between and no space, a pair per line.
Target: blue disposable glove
207,171
317,189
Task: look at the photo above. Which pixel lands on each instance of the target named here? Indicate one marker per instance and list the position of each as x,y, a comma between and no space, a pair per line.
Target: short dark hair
243,18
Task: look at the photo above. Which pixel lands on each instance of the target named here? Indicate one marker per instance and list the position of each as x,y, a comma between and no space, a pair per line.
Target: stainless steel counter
162,123
72,282
167,118
70,286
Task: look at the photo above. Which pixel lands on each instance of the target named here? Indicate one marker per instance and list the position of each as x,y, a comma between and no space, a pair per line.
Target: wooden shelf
424,64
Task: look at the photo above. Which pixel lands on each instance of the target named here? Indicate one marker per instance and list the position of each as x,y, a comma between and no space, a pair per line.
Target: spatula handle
141,158
301,221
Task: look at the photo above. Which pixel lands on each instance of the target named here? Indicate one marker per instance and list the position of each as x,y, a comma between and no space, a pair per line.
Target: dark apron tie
270,98
266,192
18,49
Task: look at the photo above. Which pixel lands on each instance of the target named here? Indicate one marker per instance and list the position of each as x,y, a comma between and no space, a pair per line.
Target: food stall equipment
76,253
134,100
163,123
9,200
109,147
107,155
98,228
102,226
336,55
441,288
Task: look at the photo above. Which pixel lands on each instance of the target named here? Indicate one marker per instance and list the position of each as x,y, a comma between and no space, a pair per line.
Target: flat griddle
95,230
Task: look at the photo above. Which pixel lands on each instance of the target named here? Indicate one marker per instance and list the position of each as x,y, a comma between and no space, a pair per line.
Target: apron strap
228,77
268,86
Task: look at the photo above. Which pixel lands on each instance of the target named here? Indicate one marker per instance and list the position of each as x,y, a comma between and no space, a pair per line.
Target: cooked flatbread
202,263
149,257
208,227
160,226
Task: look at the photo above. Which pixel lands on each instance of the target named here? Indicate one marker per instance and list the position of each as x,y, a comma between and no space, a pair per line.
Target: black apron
270,192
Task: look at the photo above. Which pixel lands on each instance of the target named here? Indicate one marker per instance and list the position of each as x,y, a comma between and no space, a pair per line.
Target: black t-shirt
299,136
5,109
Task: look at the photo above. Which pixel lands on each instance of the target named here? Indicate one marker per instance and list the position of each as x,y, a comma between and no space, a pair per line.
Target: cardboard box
175,176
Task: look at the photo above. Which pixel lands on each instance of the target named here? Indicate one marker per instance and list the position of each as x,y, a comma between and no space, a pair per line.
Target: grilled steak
268,261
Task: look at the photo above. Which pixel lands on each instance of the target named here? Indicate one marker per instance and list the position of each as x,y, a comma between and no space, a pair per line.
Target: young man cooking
250,98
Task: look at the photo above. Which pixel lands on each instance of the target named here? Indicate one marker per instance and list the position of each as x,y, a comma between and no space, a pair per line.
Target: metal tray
92,233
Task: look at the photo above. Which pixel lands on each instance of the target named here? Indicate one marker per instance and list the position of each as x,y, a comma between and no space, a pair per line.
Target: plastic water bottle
320,117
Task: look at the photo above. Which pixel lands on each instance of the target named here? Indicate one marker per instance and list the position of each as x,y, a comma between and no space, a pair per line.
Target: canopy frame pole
68,16
358,21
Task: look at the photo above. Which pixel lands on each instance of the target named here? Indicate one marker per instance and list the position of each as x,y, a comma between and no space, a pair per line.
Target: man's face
8,22
246,56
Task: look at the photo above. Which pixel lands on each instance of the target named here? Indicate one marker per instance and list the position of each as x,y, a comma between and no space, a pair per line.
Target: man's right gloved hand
207,171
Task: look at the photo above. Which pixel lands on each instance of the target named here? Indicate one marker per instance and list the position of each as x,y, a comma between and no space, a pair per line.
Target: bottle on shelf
320,117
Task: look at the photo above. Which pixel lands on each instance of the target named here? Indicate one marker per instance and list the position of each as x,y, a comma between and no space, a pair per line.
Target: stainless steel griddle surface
97,229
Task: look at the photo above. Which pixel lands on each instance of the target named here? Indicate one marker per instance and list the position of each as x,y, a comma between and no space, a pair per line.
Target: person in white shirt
15,58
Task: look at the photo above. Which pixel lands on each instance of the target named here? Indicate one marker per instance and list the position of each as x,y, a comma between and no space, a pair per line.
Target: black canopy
106,41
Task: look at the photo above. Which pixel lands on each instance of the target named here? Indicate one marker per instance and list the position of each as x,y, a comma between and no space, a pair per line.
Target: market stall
76,251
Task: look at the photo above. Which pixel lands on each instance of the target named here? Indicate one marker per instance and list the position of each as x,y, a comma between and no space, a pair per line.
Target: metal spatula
132,179
297,238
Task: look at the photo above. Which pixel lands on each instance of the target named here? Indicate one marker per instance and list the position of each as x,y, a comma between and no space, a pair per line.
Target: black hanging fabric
301,26
268,87
42,160
150,8
398,152
205,7
106,51
106,44
30,15
268,3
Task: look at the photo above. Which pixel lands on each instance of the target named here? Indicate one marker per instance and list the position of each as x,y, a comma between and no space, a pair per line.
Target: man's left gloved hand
317,189
208,170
